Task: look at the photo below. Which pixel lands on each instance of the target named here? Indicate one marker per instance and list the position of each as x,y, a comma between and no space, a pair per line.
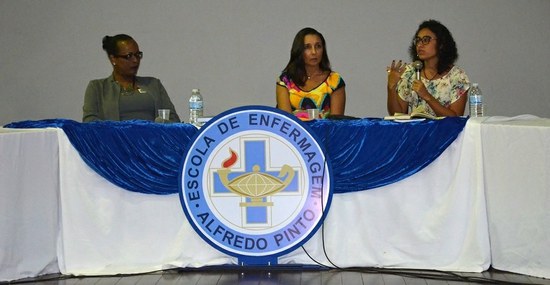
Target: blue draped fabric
371,153
364,154
139,156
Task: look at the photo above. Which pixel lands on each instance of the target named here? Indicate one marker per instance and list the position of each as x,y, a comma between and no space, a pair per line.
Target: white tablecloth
435,219
516,154
29,192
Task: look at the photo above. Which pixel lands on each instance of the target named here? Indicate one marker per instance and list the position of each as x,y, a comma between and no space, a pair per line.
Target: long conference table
482,202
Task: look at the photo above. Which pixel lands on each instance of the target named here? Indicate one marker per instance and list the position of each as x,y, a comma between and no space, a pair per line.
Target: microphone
417,64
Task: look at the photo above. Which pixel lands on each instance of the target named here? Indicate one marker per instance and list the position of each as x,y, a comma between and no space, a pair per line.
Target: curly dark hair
110,44
446,50
296,67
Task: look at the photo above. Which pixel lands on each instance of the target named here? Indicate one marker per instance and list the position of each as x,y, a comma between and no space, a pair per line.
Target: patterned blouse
446,89
317,98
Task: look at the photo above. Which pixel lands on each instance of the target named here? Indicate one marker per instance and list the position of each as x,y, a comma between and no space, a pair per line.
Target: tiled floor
357,276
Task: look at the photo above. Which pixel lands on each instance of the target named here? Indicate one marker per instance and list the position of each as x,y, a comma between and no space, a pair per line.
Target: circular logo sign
255,182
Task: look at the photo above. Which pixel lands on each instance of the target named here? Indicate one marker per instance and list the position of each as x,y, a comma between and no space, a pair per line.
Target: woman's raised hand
395,70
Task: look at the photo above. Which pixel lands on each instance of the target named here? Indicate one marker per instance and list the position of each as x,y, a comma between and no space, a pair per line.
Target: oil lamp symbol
254,185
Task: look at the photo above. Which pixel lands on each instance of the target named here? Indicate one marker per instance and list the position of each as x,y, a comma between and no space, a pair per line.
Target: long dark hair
296,67
446,46
110,44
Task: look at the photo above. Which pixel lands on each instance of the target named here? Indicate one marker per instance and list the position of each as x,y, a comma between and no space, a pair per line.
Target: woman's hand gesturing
395,70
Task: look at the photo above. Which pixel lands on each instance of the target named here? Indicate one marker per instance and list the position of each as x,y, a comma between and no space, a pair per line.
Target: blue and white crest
255,183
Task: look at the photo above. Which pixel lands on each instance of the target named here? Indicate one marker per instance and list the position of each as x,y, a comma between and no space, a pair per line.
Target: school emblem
255,184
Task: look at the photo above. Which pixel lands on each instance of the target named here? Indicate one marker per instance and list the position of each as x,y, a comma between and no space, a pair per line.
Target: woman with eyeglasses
308,82
442,88
124,95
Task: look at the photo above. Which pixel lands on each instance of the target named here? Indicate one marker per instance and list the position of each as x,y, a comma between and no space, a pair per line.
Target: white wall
234,50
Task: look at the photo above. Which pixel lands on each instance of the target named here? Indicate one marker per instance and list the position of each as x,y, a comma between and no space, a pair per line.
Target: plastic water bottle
476,101
195,106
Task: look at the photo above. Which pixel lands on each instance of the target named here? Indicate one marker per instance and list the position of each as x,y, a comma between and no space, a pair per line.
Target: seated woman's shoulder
335,79
99,81
284,79
457,72
335,74
152,82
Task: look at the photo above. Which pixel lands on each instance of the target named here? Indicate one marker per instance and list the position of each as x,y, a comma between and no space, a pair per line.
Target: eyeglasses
424,40
129,56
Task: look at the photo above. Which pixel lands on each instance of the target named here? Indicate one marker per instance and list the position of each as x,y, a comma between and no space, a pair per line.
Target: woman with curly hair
442,87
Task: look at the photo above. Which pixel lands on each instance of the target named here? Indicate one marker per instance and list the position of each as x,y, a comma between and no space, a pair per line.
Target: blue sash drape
145,157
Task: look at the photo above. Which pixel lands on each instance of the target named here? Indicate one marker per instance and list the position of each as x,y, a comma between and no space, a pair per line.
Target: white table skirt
435,219
29,191
517,173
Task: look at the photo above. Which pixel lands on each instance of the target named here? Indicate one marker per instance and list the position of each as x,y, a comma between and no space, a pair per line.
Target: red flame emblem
231,160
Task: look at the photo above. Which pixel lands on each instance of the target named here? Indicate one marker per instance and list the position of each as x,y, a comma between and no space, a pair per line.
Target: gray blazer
102,97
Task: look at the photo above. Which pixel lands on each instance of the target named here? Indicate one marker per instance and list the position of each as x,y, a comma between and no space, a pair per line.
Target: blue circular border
327,171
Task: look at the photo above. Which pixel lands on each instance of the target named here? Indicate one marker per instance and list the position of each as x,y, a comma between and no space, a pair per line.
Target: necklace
309,76
129,89
430,79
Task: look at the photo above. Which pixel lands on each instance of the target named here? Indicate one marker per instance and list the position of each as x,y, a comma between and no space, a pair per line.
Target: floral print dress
447,89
